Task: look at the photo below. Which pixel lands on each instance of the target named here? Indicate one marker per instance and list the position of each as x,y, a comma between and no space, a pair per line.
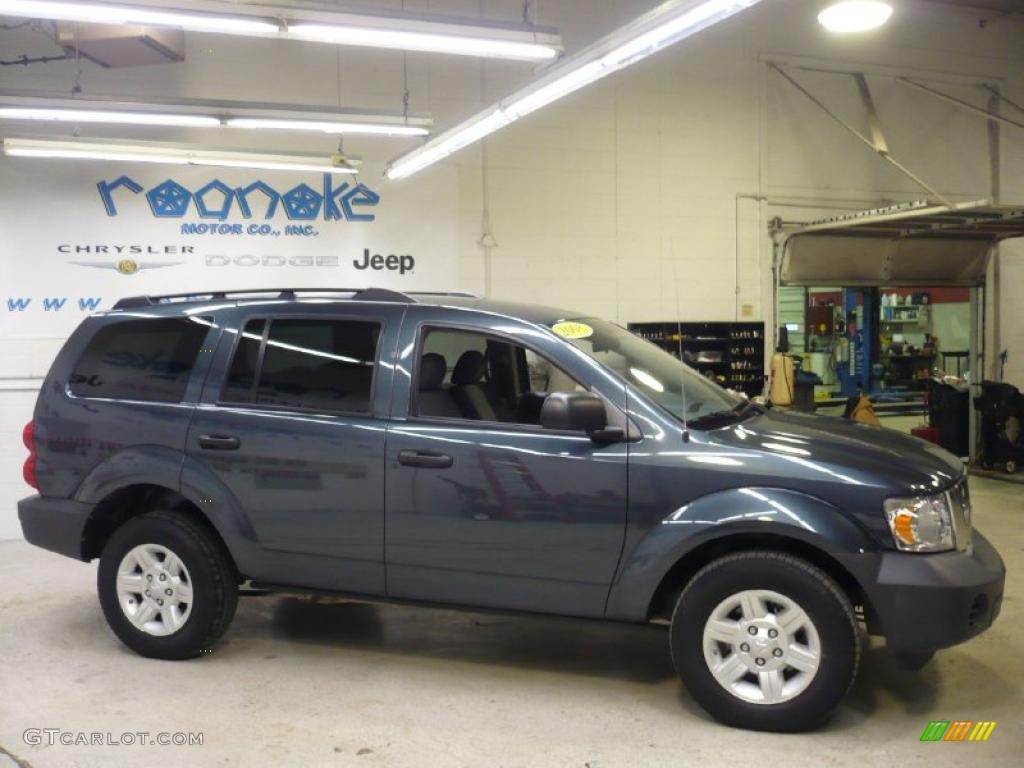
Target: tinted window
467,375
242,376
321,365
140,360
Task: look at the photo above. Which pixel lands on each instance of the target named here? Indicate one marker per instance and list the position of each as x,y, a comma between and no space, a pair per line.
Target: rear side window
147,360
308,364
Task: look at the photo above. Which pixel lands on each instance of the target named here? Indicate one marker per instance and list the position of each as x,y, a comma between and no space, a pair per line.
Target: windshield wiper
737,413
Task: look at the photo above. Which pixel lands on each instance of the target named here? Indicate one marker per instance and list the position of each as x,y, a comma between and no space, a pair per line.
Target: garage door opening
888,302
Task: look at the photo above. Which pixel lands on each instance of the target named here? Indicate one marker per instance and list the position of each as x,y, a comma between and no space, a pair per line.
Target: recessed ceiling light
849,16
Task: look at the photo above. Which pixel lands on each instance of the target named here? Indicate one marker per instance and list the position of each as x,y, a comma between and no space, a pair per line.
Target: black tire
213,577
820,598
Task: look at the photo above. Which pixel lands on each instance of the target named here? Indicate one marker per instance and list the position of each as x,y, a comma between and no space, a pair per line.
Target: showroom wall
650,191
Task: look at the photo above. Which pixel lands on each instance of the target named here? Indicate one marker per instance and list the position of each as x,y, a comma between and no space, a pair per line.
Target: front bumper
927,602
54,524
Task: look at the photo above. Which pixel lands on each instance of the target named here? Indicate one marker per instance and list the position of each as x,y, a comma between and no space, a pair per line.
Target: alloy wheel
761,646
154,590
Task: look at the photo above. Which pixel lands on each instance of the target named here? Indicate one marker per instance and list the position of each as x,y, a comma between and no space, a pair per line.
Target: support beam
976,369
992,284
864,139
881,146
999,97
961,103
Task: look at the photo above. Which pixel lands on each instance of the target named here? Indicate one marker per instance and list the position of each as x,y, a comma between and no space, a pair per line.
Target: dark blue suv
446,449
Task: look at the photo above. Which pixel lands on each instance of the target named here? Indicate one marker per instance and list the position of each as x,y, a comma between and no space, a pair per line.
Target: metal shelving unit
731,354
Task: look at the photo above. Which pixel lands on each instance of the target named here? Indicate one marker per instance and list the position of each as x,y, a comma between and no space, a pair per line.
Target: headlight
922,524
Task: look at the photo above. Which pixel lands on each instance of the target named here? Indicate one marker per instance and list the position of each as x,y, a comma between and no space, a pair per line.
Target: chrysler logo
127,266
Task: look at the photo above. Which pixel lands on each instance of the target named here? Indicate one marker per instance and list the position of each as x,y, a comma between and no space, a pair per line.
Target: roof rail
363,294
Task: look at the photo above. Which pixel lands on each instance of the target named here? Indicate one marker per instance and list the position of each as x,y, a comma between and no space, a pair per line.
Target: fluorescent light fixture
191,113
142,152
849,16
459,45
669,23
103,116
109,13
407,32
365,129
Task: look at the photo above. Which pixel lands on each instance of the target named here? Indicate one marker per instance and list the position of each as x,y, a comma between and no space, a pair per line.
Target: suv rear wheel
167,589
765,640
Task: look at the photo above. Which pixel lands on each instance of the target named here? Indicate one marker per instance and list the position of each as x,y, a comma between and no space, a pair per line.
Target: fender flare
171,469
138,465
775,512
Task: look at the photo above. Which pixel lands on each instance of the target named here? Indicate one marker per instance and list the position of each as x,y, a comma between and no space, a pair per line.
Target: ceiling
1000,6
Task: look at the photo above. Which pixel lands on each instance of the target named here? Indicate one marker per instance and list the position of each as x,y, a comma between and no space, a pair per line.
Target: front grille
959,497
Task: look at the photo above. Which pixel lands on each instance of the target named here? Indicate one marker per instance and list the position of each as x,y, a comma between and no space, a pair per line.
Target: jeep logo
391,262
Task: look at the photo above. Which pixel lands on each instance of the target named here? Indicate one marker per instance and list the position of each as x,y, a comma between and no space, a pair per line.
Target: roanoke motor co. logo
958,730
217,200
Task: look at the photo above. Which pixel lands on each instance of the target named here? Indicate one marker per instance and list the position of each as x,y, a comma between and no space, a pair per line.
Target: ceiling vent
114,45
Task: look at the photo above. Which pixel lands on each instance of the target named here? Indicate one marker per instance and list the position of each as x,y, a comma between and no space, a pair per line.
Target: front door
293,425
484,507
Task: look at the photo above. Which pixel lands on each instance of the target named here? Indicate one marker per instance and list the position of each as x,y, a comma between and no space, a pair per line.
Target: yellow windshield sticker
573,330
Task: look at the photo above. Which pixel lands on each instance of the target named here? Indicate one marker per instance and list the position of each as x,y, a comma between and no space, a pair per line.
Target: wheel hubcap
154,590
761,646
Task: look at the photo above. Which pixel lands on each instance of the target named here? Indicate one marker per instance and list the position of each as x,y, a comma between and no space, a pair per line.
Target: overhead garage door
908,245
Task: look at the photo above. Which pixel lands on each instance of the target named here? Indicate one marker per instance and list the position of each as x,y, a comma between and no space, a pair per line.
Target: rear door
292,422
484,507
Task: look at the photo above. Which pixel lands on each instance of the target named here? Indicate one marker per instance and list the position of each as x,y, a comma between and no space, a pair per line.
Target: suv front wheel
167,589
765,640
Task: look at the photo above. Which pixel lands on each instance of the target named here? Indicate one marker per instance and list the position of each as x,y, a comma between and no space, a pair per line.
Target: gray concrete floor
296,683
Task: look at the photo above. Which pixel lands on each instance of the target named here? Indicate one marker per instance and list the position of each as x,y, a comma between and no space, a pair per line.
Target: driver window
467,375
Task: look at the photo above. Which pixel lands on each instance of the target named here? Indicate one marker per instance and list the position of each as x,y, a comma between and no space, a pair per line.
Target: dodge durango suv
451,450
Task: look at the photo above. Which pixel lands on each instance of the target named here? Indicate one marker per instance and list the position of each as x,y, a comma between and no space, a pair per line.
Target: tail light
28,436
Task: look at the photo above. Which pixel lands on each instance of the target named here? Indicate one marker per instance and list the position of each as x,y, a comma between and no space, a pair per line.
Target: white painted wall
655,184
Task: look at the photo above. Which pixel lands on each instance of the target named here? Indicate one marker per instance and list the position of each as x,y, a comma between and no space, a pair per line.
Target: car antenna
679,338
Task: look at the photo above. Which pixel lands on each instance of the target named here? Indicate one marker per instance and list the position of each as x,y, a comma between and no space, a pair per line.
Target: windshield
659,375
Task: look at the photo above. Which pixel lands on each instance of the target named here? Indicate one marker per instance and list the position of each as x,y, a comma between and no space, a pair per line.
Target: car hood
840,455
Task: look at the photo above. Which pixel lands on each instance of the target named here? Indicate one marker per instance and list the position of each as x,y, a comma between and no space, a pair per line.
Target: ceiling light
366,129
423,42
105,13
141,152
850,16
407,32
192,113
102,116
669,23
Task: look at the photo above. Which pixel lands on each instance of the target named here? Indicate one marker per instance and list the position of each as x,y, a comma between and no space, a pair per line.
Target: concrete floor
296,683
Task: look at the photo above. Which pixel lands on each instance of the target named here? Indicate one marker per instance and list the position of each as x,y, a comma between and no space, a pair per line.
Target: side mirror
578,412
